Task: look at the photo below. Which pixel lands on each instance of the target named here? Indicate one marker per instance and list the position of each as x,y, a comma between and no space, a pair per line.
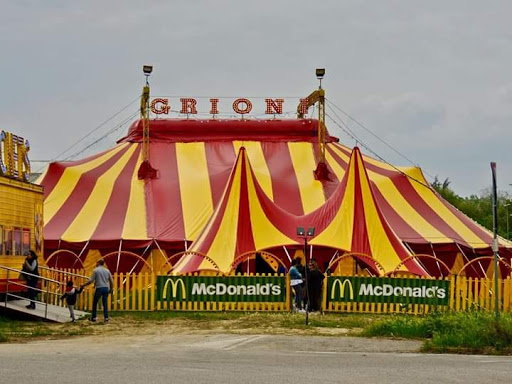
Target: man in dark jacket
315,283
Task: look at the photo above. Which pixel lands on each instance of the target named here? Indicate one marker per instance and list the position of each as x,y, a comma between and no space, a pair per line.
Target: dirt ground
124,327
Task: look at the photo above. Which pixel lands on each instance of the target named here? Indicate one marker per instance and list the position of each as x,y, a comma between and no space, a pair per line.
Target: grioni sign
241,106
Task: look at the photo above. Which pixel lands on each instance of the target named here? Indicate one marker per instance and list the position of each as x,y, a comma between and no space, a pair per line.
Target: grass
14,330
456,332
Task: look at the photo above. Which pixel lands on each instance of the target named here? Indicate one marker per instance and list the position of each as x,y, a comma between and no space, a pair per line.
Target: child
70,296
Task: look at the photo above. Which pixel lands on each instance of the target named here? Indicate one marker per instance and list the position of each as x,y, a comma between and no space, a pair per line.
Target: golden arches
358,256
180,254
118,254
500,260
65,251
252,255
418,256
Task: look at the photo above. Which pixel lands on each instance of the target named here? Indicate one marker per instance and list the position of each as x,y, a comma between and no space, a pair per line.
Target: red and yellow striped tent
98,206
246,220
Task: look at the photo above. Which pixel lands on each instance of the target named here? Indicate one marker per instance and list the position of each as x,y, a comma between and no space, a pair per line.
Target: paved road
240,359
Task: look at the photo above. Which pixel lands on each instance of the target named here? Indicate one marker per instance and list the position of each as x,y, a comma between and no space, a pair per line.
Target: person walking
30,266
104,284
296,283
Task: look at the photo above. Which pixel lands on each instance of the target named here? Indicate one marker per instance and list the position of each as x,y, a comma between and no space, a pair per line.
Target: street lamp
304,235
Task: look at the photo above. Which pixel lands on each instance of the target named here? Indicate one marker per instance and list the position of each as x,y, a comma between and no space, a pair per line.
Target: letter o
237,109
231,290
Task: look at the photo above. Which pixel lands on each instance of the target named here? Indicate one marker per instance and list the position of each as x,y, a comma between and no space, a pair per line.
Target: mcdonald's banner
225,289
387,290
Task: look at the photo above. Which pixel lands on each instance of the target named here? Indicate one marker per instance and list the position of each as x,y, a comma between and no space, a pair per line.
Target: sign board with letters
225,289
214,106
349,289
14,162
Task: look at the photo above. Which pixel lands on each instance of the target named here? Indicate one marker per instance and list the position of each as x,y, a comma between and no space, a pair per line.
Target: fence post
152,290
506,294
46,301
451,304
288,292
324,295
7,288
115,295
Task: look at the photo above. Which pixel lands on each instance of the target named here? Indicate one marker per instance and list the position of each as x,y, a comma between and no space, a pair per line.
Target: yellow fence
478,294
137,292
132,292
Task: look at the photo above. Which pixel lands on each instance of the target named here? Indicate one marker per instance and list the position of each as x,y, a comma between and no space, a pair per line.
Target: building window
17,241
8,241
26,241
1,240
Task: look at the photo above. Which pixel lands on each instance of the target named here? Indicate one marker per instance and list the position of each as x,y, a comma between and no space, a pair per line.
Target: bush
450,331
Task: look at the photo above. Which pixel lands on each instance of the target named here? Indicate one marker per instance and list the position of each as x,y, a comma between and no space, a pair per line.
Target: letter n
274,106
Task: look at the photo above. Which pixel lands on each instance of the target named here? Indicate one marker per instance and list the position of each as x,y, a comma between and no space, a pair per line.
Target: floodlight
300,231
311,231
320,73
147,69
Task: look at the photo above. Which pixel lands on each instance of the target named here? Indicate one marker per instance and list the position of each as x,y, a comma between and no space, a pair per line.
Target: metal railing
44,290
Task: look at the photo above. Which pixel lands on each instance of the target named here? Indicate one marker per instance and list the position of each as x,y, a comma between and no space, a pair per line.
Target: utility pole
495,247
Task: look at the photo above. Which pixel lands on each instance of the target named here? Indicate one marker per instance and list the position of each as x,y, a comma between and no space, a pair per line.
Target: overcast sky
432,78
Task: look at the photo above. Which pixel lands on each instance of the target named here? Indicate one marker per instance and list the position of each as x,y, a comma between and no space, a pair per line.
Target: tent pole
161,252
287,254
83,249
437,263
467,258
333,257
119,254
416,259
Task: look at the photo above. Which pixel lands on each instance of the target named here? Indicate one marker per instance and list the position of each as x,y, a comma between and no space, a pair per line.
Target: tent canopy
99,202
247,220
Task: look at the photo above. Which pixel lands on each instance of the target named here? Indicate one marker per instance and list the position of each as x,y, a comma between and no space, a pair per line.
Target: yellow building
21,205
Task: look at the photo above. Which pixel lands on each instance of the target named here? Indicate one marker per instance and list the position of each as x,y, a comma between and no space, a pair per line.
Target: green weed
450,332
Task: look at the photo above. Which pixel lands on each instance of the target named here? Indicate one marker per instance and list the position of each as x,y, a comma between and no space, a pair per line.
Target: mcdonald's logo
174,288
342,285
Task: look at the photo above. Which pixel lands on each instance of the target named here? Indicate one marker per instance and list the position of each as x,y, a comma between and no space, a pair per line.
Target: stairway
14,302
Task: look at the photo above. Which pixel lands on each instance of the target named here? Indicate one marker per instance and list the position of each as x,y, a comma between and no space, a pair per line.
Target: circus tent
98,206
247,220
